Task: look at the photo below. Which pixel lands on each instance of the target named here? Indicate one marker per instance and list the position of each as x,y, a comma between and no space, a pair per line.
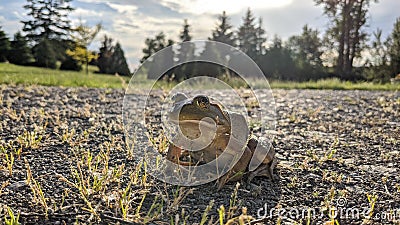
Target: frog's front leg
268,163
236,144
236,173
174,153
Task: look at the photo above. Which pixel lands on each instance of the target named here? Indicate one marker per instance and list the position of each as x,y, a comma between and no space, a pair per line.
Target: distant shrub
4,46
45,55
20,53
70,64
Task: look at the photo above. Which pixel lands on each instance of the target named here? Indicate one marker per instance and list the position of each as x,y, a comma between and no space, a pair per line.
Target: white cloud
11,27
19,15
85,13
123,8
93,1
201,27
129,26
213,6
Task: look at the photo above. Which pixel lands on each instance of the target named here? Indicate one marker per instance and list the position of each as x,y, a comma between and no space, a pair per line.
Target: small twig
96,208
262,220
386,189
122,221
388,194
63,216
71,206
52,215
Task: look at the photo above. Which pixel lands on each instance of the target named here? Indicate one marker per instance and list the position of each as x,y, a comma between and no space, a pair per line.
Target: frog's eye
178,97
203,102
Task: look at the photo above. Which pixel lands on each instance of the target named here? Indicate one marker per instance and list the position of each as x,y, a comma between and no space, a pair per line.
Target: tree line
310,55
48,40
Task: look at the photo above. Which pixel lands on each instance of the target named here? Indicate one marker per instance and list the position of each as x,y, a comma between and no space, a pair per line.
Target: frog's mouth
206,121
194,128
202,132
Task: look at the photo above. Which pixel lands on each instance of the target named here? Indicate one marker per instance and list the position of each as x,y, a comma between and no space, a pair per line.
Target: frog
198,113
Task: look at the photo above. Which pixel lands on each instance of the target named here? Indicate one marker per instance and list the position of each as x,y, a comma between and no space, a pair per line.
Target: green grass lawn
335,84
24,75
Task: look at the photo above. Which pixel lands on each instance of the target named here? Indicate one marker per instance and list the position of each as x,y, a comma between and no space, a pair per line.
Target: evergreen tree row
306,56
47,38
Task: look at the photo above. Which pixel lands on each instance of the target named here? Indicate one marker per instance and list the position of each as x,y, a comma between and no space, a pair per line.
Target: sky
131,21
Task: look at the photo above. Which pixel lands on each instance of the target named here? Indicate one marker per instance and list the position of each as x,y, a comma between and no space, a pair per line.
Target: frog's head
189,112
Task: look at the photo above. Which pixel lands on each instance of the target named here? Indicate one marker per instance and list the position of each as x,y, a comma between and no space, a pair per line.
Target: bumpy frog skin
189,112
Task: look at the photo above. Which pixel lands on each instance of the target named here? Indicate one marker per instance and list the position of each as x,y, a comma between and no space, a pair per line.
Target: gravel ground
338,154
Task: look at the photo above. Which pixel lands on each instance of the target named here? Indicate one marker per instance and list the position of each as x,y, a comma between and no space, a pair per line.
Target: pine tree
48,25
306,51
118,61
185,53
150,49
49,20
4,46
260,38
247,35
223,32
277,62
393,44
105,55
20,53
112,58
154,45
184,35
45,55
